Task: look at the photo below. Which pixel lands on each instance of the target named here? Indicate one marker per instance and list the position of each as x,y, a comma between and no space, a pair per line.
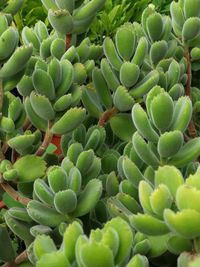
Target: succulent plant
11,7
109,246
123,190
68,17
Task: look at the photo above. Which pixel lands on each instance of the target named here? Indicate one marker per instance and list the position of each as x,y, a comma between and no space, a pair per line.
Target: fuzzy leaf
122,126
69,121
29,168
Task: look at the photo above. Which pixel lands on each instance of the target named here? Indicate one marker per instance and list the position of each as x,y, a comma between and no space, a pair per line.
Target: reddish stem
19,259
192,130
61,157
68,40
2,157
2,205
56,141
191,127
9,264
14,194
1,97
27,125
1,106
5,147
106,116
47,140
14,156
189,73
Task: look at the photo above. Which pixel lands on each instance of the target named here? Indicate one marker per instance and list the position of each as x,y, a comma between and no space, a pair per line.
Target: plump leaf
29,168
122,126
69,121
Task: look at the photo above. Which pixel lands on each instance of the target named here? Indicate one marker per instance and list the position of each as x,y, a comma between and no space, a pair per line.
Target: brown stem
186,138
14,156
1,96
189,73
61,157
46,141
191,127
192,130
5,147
3,150
9,264
2,157
11,192
1,106
106,116
2,205
27,125
19,259
68,40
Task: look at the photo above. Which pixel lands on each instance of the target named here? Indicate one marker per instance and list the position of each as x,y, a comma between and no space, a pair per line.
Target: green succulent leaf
6,249
53,259
122,126
30,168
69,121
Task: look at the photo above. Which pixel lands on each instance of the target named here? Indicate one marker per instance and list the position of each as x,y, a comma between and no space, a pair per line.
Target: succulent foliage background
116,13
99,133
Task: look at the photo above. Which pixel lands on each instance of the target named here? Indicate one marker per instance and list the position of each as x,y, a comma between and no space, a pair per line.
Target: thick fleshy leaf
148,224
43,244
70,237
88,198
177,222
122,126
6,249
169,176
125,237
53,259
30,168
69,121
94,254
